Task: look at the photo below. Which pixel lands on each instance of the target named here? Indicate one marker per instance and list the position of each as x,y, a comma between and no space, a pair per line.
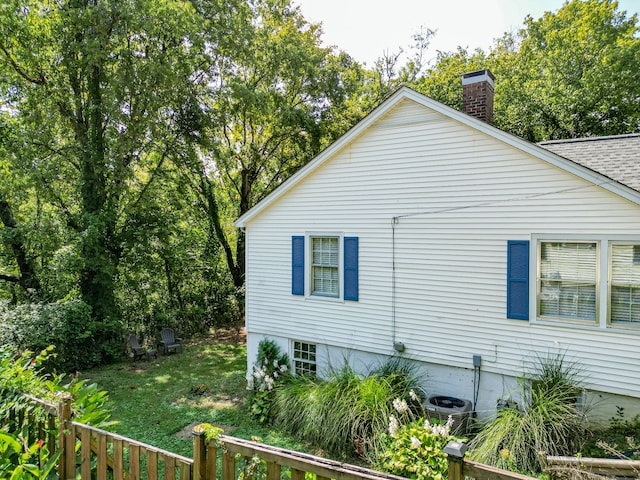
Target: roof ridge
590,139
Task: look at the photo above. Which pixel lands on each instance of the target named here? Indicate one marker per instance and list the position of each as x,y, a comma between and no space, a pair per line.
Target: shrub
345,414
68,325
549,419
20,461
22,374
269,371
620,439
415,449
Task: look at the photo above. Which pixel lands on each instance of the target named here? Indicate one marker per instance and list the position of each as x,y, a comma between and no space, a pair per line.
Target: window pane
325,275
625,284
568,280
304,358
325,251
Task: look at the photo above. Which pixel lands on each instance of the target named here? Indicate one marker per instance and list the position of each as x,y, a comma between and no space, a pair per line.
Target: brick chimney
477,94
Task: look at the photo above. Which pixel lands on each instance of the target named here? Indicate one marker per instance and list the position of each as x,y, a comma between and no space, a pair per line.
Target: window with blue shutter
297,265
351,268
518,279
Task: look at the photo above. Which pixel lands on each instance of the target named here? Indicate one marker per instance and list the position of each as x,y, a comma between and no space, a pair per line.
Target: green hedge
79,342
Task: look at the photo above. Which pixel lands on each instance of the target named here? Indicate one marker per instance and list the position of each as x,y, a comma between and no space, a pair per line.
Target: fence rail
91,453
559,467
124,457
277,459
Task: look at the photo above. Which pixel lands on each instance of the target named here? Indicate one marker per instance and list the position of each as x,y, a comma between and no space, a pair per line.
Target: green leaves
576,71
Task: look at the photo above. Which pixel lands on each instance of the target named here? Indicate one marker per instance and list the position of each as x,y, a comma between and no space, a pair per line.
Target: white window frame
309,293
308,366
603,274
539,280
611,244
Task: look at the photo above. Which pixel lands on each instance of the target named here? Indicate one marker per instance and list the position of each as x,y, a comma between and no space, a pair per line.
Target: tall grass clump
549,419
344,414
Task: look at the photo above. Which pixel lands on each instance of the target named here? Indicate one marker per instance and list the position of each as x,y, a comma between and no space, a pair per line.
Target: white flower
284,367
275,374
415,443
413,396
269,382
393,426
439,429
449,423
400,405
275,363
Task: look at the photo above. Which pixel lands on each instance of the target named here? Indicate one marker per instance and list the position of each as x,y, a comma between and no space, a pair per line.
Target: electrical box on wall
477,361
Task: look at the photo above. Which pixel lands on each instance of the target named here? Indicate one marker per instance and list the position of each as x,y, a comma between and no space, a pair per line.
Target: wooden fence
574,467
91,453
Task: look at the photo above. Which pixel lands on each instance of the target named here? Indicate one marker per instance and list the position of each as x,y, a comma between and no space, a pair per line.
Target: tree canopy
132,132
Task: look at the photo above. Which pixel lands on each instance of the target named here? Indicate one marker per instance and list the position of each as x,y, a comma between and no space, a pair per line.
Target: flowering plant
270,369
414,446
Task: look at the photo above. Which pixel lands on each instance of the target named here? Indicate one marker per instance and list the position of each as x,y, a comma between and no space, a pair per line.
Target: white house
426,232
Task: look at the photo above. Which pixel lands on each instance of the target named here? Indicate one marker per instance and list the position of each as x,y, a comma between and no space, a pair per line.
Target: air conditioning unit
441,407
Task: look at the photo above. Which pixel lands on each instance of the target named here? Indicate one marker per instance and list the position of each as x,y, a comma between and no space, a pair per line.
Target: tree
575,75
91,83
20,267
570,73
267,104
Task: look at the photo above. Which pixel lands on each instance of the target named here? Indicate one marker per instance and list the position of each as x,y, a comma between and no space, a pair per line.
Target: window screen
567,280
625,284
324,266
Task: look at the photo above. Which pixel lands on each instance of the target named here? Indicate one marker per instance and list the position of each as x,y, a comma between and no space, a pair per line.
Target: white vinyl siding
625,284
467,194
304,358
567,278
325,277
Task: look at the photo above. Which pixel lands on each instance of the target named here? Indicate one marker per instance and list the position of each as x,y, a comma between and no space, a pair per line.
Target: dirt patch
187,431
216,402
233,335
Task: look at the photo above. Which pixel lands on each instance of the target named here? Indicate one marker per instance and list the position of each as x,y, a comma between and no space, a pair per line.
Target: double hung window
325,266
570,285
624,265
325,278
568,280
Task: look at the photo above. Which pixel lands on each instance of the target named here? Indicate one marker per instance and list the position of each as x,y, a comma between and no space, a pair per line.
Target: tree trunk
235,267
97,277
28,278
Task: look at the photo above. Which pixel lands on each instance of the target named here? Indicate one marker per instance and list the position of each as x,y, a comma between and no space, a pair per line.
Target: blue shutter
518,279
297,265
351,268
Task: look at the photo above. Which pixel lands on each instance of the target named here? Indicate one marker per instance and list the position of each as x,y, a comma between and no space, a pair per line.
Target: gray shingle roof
617,157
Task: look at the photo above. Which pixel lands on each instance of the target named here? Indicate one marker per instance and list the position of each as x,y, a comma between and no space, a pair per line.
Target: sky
367,28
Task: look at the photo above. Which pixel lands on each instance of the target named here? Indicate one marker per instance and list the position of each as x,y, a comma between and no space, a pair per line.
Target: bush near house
415,449
548,420
270,370
344,414
621,439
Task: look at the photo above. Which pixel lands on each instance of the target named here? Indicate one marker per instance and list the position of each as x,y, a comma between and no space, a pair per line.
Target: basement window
304,358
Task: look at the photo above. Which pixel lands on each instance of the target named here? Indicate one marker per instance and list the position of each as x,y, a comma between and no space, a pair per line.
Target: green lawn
155,402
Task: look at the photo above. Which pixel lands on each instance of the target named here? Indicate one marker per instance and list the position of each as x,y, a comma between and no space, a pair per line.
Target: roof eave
508,138
336,146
